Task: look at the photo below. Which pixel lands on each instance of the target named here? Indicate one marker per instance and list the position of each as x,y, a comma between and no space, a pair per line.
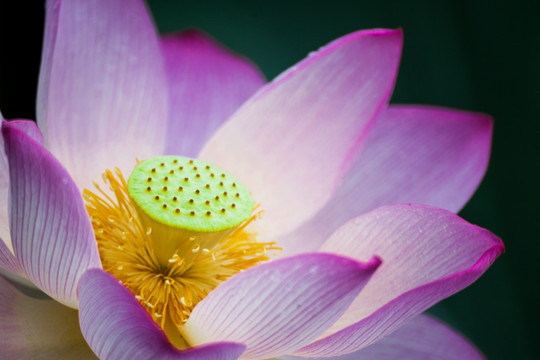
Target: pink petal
428,253
38,328
415,154
50,229
8,262
102,98
279,306
422,338
117,327
292,142
207,83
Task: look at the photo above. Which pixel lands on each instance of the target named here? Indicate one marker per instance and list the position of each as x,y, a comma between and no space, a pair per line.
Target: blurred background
477,55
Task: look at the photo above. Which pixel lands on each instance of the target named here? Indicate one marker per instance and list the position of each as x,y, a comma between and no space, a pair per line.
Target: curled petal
428,253
116,326
207,83
279,306
51,233
8,262
102,97
292,142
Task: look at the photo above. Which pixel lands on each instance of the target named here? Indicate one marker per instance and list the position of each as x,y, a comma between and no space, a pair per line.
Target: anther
164,206
171,172
177,211
192,213
197,175
208,213
156,197
186,179
207,186
164,188
149,189
222,175
190,162
225,193
194,168
237,195
197,191
175,199
181,168
223,210
191,201
180,188
166,178
207,202
221,183
207,167
162,164
153,170
233,206
212,175
233,184
149,179
216,198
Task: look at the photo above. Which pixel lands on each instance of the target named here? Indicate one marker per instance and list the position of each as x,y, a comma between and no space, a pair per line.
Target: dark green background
474,55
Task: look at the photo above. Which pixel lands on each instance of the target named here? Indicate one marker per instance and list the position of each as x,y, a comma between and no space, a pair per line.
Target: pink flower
319,148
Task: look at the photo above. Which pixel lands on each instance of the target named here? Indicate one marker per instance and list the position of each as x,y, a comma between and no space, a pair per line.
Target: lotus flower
319,148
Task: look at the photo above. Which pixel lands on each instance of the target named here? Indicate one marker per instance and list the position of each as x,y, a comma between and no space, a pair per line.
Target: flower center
173,232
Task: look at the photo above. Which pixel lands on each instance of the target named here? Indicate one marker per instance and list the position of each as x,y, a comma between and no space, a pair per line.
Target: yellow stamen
169,291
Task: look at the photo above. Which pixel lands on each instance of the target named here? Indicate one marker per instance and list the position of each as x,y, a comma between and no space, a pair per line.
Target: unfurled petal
50,229
102,97
428,254
207,83
7,259
116,326
292,142
279,306
422,338
415,154
38,329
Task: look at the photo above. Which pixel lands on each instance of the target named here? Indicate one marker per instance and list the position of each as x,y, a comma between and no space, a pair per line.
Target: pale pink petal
102,97
38,329
50,228
116,326
279,306
207,83
8,262
428,254
292,142
415,154
422,338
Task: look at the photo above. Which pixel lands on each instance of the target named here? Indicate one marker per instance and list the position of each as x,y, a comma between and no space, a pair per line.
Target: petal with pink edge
415,154
8,262
102,97
207,83
50,228
116,326
292,142
422,338
38,329
279,306
428,254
